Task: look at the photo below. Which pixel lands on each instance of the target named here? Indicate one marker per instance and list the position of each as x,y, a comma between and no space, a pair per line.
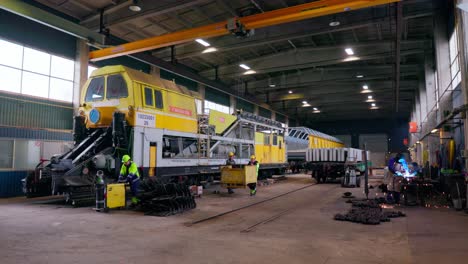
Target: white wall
377,144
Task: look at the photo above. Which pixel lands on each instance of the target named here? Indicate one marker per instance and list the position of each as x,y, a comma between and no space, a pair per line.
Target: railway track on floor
272,218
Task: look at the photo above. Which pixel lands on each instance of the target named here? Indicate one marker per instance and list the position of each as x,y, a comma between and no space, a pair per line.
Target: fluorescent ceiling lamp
315,109
306,105
352,58
334,23
434,130
418,142
204,43
373,104
304,102
210,49
366,91
244,66
290,92
272,85
249,72
370,100
369,97
374,108
134,6
365,87
359,76
349,51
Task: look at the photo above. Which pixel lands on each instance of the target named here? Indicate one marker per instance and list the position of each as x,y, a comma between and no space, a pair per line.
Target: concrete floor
295,228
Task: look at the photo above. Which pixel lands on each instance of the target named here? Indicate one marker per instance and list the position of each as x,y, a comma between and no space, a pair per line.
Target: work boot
253,192
230,191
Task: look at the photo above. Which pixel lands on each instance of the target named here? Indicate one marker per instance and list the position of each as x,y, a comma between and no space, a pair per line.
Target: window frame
152,97
104,89
107,87
48,68
157,94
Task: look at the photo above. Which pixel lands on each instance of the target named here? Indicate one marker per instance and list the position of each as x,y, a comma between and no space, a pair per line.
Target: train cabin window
149,97
95,90
266,139
159,99
280,144
275,140
116,87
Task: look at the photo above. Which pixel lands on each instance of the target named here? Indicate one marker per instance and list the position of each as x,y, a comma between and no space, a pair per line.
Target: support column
81,72
232,104
155,71
201,106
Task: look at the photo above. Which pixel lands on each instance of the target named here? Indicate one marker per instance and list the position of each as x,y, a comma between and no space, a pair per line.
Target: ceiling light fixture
334,22
372,104
244,66
204,43
349,51
351,58
272,85
304,102
374,108
366,91
365,87
210,49
290,92
250,72
134,6
434,130
315,109
369,97
359,76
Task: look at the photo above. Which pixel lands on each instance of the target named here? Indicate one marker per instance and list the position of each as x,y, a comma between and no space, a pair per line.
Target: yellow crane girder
270,18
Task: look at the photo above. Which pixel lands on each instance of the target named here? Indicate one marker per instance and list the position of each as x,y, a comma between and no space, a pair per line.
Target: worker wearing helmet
129,173
253,186
230,161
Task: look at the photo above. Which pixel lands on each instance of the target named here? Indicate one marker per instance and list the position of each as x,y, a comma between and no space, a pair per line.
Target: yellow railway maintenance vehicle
124,111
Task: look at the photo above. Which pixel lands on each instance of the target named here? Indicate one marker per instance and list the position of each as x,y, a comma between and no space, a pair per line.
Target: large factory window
159,99
215,106
454,59
116,87
95,90
33,72
149,97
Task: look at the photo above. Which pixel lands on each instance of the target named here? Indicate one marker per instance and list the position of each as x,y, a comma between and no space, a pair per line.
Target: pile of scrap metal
368,212
160,199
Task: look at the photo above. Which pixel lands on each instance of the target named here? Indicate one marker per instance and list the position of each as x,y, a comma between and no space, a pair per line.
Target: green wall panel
26,32
24,111
217,96
280,118
189,84
264,112
244,105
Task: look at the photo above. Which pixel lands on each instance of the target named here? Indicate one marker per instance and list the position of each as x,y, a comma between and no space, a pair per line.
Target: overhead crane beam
266,19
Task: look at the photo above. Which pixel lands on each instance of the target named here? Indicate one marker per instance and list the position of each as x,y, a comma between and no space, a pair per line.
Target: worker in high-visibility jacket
230,161
253,186
129,173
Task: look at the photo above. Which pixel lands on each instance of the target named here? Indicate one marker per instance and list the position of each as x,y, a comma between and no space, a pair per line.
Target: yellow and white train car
124,111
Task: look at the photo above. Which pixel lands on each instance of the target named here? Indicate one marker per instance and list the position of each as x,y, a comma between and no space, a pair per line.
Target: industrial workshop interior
233,131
